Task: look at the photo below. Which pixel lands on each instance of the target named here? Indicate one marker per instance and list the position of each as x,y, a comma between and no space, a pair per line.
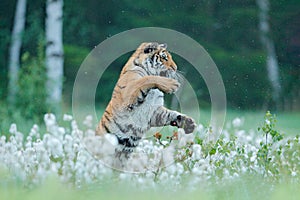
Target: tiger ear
164,45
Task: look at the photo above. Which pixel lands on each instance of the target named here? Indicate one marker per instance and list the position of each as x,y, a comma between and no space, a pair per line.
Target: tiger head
155,60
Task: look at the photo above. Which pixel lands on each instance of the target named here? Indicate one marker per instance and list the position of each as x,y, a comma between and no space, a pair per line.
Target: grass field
241,165
242,188
287,122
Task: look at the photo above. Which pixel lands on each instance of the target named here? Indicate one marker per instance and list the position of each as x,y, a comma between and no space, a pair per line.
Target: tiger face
155,60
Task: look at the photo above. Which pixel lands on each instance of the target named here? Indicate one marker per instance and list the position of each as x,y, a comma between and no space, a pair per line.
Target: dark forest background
228,30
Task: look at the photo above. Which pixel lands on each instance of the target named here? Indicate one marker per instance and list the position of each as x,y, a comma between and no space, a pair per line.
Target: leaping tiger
138,98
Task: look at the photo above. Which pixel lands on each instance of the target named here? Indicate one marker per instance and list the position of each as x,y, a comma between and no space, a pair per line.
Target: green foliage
265,147
31,97
268,127
4,41
10,115
228,30
34,30
73,58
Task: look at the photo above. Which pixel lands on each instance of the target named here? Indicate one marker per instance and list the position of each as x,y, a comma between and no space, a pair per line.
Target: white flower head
50,119
184,138
237,122
196,152
112,139
88,121
200,128
13,128
67,117
34,132
294,173
168,155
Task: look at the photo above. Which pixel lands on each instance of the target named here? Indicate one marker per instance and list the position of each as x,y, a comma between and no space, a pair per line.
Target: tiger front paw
187,123
169,85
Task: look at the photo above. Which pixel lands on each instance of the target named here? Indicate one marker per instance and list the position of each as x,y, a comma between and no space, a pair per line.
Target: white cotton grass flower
164,142
101,147
196,152
67,118
112,139
184,138
123,176
168,155
171,169
241,136
89,133
294,173
2,140
13,128
253,158
180,168
137,163
51,124
237,122
61,131
88,121
80,157
34,131
200,128
74,125
49,119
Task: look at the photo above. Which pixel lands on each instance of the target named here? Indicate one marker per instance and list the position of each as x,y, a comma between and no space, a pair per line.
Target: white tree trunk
15,48
54,51
267,42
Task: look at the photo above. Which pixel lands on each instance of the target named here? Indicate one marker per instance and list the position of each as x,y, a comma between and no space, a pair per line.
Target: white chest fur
140,116
142,113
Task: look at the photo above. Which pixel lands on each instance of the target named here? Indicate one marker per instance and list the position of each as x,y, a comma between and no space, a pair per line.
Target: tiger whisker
179,76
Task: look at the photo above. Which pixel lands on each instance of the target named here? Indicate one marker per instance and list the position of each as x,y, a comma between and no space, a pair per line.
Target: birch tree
268,44
15,48
54,52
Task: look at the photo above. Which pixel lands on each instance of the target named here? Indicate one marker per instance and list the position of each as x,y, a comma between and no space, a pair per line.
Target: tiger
137,101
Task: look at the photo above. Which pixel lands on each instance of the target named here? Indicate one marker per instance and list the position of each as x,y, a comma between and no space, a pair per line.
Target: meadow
257,157
255,47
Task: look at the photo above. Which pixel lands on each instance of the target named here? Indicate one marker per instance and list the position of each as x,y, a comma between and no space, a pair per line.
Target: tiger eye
164,56
148,50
